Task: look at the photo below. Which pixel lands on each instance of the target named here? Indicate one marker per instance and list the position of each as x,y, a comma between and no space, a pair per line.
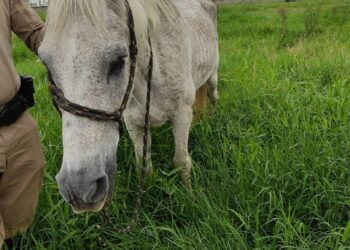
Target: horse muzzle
84,190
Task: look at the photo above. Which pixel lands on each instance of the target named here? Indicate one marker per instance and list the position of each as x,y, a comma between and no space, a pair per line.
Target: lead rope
141,190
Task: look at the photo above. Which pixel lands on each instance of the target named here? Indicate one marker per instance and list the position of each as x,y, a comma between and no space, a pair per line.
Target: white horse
86,49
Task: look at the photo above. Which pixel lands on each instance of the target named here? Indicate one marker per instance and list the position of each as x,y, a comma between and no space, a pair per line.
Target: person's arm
26,23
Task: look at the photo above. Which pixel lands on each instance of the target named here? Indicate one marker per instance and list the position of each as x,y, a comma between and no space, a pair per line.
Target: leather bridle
63,103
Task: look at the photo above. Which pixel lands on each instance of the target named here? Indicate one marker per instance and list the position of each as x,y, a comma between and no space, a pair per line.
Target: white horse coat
86,50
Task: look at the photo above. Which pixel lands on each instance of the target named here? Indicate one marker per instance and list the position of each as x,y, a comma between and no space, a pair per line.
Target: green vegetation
271,166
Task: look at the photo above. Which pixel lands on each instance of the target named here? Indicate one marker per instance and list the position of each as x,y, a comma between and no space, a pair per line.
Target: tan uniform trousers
21,170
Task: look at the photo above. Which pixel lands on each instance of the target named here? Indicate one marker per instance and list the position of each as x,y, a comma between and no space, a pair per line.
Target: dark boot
9,244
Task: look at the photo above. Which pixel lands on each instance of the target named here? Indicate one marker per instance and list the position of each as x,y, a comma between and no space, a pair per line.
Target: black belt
24,99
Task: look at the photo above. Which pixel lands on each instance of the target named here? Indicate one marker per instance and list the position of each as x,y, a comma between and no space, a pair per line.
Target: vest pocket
2,162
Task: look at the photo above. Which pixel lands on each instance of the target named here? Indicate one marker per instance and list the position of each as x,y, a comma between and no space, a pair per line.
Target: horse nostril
96,191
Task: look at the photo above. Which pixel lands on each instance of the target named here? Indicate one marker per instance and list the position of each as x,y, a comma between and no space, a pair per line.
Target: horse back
200,17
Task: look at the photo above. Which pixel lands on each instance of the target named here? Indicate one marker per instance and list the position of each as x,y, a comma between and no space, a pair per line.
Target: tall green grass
271,166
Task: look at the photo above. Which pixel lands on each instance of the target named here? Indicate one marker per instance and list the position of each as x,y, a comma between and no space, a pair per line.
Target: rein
62,103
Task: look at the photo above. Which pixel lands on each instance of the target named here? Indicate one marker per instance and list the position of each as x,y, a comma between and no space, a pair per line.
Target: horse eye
116,66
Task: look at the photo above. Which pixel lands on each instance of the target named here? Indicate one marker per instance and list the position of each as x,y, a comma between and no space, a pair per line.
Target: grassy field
271,166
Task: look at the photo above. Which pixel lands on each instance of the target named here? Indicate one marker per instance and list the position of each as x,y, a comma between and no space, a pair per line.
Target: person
21,156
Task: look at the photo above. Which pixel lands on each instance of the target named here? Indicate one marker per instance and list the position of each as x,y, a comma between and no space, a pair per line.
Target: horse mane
60,12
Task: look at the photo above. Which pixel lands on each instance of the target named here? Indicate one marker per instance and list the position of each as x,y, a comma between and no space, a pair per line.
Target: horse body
185,54
185,58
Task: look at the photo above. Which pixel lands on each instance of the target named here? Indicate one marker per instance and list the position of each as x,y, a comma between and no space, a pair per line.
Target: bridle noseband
63,103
